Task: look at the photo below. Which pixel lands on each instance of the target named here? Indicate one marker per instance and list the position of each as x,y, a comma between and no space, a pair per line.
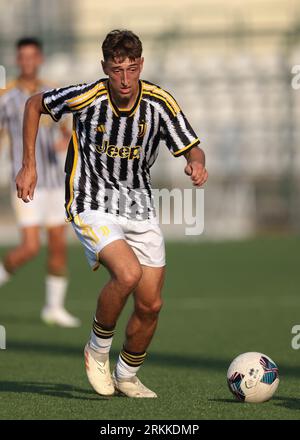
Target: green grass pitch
220,300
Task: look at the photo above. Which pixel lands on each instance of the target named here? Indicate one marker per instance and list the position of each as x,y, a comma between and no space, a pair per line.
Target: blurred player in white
47,208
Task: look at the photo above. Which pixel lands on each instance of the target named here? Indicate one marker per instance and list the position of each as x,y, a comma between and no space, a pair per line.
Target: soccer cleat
60,317
132,387
98,372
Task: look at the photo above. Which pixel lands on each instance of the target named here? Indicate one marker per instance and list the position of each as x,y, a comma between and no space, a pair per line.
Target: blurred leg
56,280
28,249
57,250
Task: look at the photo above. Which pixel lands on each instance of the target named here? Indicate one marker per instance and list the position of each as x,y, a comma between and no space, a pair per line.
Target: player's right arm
26,178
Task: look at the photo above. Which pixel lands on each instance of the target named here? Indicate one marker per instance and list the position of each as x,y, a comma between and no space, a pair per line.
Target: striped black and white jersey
112,150
49,168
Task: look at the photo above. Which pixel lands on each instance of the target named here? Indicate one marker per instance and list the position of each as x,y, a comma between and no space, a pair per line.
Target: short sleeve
69,99
177,133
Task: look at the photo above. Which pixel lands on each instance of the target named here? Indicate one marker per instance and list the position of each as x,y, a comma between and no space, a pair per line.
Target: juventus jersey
49,169
112,149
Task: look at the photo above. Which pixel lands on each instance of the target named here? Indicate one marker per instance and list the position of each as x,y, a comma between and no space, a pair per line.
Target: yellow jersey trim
177,153
162,99
73,102
71,182
86,103
158,91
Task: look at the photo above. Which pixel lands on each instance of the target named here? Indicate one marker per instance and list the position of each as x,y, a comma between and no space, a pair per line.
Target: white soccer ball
252,377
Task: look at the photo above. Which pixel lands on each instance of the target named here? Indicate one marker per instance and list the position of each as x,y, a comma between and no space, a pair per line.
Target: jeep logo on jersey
122,152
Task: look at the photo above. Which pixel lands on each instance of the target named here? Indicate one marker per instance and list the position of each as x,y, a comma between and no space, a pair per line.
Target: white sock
101,337
99,344
126,371
56,288
4,275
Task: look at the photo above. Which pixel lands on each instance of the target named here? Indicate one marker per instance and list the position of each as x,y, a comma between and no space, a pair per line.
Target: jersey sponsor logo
122,152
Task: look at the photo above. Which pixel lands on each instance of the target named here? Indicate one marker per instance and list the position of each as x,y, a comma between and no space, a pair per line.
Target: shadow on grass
225,401
160,359
287,402
291,403
49,389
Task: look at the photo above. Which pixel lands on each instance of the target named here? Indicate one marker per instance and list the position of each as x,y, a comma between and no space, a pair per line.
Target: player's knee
155,308
130,278
150,310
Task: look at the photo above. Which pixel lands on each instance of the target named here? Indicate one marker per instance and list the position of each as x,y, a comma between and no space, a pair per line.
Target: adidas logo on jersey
123,152
101,128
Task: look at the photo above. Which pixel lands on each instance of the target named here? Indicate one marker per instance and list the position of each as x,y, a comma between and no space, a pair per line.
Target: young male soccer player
118,123
47,209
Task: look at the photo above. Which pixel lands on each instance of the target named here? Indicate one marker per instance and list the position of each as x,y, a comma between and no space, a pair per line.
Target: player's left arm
195,167
181,139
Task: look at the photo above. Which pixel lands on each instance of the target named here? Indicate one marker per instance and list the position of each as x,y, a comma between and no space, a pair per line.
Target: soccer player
47,208
118,124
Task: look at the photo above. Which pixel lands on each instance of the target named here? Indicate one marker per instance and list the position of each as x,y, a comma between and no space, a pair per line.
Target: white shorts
46,208
95,230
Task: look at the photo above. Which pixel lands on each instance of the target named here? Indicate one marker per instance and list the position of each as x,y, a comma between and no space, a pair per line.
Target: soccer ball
252,377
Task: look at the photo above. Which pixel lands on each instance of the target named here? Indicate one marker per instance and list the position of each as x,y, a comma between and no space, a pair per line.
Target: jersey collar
125,112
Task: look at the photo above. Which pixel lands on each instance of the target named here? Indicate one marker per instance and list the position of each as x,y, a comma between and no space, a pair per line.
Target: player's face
29,60
123,76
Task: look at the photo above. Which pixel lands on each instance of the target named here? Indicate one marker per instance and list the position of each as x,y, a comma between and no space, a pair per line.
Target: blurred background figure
47,208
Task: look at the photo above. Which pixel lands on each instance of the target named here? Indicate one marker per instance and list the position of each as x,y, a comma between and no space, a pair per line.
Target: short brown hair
29,41
121,44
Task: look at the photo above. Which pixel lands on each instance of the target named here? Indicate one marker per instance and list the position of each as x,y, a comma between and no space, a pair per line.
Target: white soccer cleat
60,317
132,387
98,372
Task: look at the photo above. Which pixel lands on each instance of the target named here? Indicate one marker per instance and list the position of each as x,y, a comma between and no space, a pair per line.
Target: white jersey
49,169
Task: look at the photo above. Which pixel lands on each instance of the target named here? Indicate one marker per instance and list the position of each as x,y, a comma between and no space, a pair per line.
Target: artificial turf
220,300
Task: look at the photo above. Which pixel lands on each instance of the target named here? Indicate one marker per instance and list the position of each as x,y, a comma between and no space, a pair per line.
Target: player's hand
25,182
197,173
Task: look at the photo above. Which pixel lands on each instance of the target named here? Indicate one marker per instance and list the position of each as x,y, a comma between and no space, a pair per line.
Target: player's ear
141,64
103,64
